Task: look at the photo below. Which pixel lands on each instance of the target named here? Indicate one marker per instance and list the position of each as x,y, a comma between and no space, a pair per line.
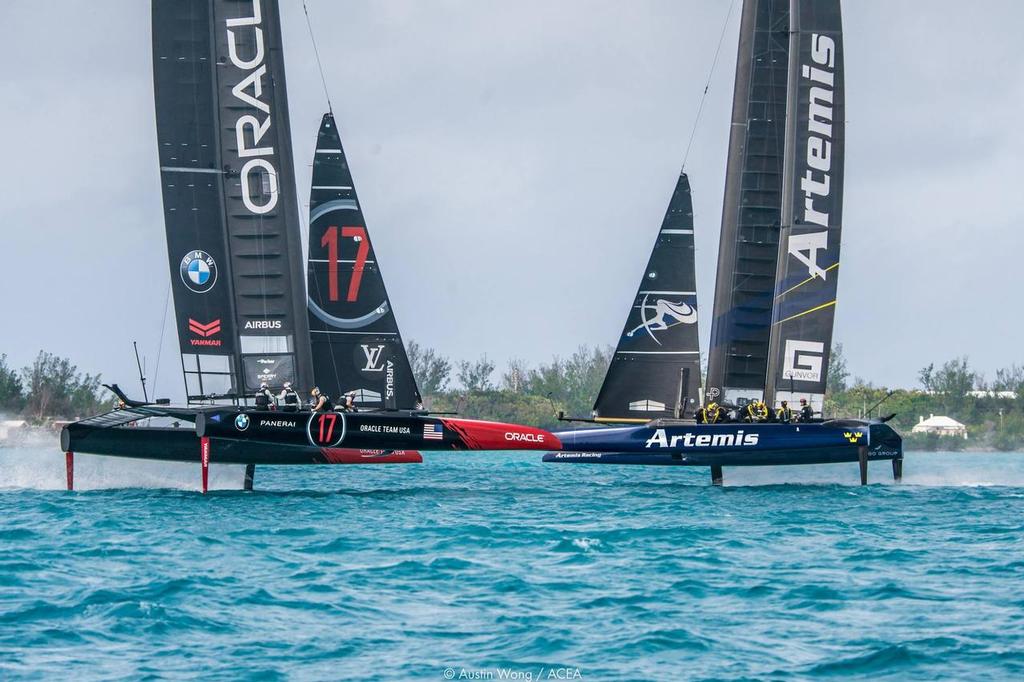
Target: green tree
12,394
55,388
432,371
1010,379
837,371
476,376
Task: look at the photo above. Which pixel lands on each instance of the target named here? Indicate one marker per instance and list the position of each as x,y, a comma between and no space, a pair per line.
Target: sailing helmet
315,391
803,401
287,384
263,385
712,406
785,403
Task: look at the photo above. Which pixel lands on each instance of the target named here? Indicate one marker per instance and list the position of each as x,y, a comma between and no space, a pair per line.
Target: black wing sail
353,330
656,366
192,181
752,208
229,195
812,207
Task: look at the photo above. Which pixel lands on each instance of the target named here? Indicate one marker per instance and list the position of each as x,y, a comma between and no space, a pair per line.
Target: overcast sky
514,161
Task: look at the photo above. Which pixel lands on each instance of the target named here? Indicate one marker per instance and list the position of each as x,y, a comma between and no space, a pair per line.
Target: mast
354,334
751,214
230,208
656,366
808,266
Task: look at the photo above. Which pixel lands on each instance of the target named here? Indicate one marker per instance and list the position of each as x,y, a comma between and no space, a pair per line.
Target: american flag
433,432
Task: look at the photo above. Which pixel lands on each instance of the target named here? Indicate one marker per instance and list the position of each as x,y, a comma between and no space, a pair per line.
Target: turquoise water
501,567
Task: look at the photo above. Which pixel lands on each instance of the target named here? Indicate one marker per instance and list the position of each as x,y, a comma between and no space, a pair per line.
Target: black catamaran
245,322
776,289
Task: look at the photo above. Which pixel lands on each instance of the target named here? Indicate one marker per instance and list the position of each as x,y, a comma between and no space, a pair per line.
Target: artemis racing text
705,440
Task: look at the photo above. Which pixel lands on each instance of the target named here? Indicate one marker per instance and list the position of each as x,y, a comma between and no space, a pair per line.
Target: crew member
806,411
348,402
784,414
289,398
709,414
265,400
756,411
321,402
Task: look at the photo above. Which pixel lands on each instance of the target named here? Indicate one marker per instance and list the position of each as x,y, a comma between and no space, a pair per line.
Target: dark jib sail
751,214
354,334
228,188
655,371
812,207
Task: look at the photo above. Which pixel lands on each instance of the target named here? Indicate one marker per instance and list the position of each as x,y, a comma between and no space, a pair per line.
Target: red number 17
330,240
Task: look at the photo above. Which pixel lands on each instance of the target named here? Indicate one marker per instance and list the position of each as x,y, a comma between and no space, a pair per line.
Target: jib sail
812,206
354,334
751,214
655,371
229,195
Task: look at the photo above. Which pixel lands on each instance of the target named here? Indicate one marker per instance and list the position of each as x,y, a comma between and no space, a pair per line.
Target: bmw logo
198,271
242,422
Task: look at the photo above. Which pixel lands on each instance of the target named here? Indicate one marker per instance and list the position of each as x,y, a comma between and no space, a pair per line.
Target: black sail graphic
656,366
354,334
751,215
812,207
229,195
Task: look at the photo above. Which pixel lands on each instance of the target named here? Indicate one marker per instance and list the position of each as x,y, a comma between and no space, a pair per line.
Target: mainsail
655,371
228,189
751,215
808,268
355,339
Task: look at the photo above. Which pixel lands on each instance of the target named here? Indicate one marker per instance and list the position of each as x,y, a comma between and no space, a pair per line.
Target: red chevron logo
204,330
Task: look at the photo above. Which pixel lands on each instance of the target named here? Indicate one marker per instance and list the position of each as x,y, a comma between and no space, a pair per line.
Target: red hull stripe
481,435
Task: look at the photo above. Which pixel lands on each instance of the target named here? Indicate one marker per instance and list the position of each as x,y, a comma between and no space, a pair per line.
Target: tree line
993,411
51,387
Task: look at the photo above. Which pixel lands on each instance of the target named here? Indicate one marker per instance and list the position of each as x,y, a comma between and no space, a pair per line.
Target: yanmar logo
263,324
705,440
524,437
205,331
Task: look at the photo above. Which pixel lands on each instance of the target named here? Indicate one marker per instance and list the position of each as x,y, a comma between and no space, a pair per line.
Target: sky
514,162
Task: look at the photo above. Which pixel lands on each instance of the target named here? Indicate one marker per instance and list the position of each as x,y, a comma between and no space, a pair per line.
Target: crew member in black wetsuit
709,414
321,402
265,399
289,398
806,411
784,414
347,402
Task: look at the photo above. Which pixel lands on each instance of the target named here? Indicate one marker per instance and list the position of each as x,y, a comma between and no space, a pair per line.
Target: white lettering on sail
803,360
258,176
816,181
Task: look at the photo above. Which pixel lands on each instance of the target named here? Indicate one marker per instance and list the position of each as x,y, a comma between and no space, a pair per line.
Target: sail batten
655,369
356,344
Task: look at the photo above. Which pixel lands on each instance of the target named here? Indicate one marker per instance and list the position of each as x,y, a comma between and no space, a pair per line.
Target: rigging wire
707,84
160,344
316,51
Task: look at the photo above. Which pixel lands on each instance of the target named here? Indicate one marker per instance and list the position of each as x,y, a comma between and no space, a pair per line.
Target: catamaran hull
716,445
183,445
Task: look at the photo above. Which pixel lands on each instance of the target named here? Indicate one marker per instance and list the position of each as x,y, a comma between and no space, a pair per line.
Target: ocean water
496,566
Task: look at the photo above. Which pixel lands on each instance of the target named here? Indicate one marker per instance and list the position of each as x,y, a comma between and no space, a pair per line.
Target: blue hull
667,443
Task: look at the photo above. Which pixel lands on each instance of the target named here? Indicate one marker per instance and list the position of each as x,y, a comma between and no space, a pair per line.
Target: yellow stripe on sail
793,317
812,277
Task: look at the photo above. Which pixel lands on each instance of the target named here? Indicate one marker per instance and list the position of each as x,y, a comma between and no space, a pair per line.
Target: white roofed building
942,425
